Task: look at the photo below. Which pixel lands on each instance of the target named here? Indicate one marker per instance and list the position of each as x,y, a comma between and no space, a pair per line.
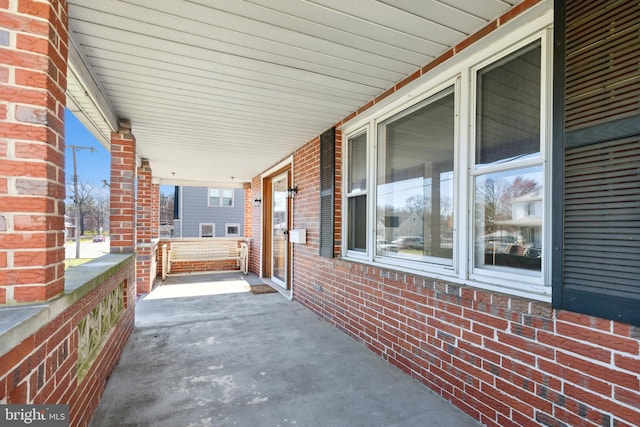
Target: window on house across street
232,230
220,197
207,230
458,174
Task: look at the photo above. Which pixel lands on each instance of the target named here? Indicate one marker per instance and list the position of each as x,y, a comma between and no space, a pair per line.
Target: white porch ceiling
216,89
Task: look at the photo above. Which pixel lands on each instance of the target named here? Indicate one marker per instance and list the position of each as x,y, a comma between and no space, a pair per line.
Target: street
88,249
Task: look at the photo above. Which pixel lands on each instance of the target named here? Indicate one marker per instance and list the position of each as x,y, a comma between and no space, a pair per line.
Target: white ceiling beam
83,75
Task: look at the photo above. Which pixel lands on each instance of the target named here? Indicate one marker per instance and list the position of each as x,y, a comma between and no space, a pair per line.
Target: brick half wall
43,367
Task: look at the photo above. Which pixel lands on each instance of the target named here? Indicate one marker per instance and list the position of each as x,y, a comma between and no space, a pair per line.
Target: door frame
267,219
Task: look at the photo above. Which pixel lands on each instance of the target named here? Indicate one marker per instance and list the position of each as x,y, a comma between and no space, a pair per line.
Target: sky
92,166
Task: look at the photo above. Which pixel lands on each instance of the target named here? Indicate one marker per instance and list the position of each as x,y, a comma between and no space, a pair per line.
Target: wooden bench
205,250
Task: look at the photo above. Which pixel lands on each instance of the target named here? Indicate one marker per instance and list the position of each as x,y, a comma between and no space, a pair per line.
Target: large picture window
415,200
454,183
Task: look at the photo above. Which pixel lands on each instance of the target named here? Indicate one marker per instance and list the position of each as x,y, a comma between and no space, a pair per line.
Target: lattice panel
96,326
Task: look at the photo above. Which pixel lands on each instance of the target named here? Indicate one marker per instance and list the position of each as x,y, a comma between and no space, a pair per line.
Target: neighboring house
209,212
69,228
526,217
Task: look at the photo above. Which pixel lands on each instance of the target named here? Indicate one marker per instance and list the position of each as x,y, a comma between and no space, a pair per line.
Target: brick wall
33,48
504,360
43,367
306,204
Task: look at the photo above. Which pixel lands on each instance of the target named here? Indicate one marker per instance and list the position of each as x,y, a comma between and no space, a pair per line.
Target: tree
498,195
85,201
101,209
166,207
489,195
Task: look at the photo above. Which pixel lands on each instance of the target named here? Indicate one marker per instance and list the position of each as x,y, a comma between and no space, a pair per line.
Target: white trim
282,283
504,276
437,93
547,136
288,162
461,157
78,66
292,248
364,130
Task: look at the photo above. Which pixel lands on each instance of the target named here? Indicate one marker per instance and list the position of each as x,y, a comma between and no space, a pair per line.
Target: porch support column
122,230
155,209
145,245
248,208
33,82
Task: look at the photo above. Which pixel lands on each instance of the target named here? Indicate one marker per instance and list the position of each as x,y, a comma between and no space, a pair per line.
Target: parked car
99,238
409,242
385,246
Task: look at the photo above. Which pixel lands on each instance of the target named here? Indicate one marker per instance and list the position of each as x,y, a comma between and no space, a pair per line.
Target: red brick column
144,202
248,208
145,259
122,201
155,210
33,70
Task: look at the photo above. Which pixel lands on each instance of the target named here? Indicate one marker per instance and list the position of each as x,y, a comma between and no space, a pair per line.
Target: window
357,192
232,230
414,215
220,197
453,183
207,230
508,173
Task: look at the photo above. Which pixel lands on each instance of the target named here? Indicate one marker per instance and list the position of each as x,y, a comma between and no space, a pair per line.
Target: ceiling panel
216,89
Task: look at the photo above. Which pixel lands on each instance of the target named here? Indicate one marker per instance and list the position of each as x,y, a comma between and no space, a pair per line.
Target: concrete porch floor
206,352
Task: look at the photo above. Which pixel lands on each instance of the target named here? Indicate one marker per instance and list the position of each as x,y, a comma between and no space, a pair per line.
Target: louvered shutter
327,187
598,272
176,202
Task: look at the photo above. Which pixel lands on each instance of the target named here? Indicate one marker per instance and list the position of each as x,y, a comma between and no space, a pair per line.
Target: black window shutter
596,259
327,190
176,202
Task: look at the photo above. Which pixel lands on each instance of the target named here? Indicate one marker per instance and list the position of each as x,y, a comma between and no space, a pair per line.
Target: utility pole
76,199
